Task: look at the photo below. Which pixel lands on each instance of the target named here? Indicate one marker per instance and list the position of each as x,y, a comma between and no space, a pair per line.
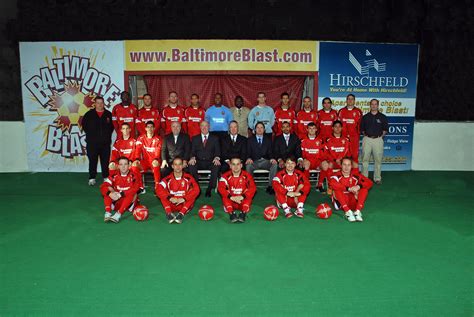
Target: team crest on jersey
312,116
131,142
343,141
223,113
200,112
257,113
178,111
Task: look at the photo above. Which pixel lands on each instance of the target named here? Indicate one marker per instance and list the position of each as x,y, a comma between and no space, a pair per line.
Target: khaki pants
372,147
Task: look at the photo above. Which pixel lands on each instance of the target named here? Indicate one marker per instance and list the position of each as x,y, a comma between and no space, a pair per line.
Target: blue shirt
263,114
219,118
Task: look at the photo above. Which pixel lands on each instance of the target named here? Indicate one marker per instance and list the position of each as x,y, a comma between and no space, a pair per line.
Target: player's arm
222,188
194,191
114,119
278,186
251,187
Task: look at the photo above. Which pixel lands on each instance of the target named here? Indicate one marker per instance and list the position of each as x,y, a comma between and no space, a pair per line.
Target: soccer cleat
299,214
107,216
233,217
91,182
242,217
171,217
358,216
179,218
116,217
288,213
378,182
141,191
350,216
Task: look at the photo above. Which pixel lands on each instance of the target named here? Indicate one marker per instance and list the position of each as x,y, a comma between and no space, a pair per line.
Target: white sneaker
116,217
358,216
107,216
91,182
350,216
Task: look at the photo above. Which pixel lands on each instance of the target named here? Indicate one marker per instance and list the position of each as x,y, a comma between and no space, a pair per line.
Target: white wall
443,146
436,146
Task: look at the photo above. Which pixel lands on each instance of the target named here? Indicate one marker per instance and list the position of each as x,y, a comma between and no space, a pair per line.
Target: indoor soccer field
412,255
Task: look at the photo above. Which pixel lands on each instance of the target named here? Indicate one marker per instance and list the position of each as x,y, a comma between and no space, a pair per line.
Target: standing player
237,189
262,113
124,112
291,189
120,191
177,192
350,116
283,113
326,118
312,149
148,113
149,151
350,190
172,112
219,117
194,115
305,116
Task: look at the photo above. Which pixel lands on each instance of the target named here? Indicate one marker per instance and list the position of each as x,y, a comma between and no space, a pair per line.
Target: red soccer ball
323,211
140,213
206,212
270,213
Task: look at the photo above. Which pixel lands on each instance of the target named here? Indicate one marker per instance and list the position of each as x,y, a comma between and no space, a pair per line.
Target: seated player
312,149
237,189
148,149
291,189
120,191
177,192
350,190
125,146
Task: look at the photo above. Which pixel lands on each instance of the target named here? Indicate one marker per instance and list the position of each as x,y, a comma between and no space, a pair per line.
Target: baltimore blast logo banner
60,81
387,72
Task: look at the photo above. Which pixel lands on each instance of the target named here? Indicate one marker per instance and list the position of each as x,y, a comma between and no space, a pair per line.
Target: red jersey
303,118
122,114
125,148
336,148
127,183
343,183
149,149
325,121
230,185
350,121
145,115
170,115
184,187
284,182
193,118
284,115
312,149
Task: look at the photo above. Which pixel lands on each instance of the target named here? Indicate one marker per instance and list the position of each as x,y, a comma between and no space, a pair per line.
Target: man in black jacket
98,126
205,154
233,145
175,144
286,145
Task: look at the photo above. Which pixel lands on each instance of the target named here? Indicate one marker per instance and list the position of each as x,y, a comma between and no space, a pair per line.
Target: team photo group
179,142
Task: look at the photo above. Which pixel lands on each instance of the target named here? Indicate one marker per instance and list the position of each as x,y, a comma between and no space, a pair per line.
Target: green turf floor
413,255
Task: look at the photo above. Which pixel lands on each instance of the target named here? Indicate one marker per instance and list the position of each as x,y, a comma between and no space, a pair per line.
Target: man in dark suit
205,154
175,144
287,145
233,145
259,154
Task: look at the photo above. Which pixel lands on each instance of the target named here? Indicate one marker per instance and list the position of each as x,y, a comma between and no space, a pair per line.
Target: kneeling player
120,191
149,151
178,192
313,155
291,189
350,190
237,189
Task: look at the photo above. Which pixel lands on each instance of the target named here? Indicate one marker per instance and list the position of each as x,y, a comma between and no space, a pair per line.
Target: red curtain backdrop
229,85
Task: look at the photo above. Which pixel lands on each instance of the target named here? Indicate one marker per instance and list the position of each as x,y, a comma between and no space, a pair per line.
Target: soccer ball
270,213
323,211
206,212
140,213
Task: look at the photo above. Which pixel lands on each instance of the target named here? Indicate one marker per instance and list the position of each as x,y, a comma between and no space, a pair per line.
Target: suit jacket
283,151
170,150
230,149
208,152
256,151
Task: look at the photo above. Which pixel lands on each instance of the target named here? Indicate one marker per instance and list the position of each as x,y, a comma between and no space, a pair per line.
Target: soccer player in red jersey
148,113
284,113
194,115
305,116
172,112
336,147
148,149
312,149
326,118
124,112
350,116
291,189
177,192
237,189
350,190
120,191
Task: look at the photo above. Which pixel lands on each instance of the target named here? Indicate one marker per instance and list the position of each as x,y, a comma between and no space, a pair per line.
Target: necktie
205,141
259,141
286,139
